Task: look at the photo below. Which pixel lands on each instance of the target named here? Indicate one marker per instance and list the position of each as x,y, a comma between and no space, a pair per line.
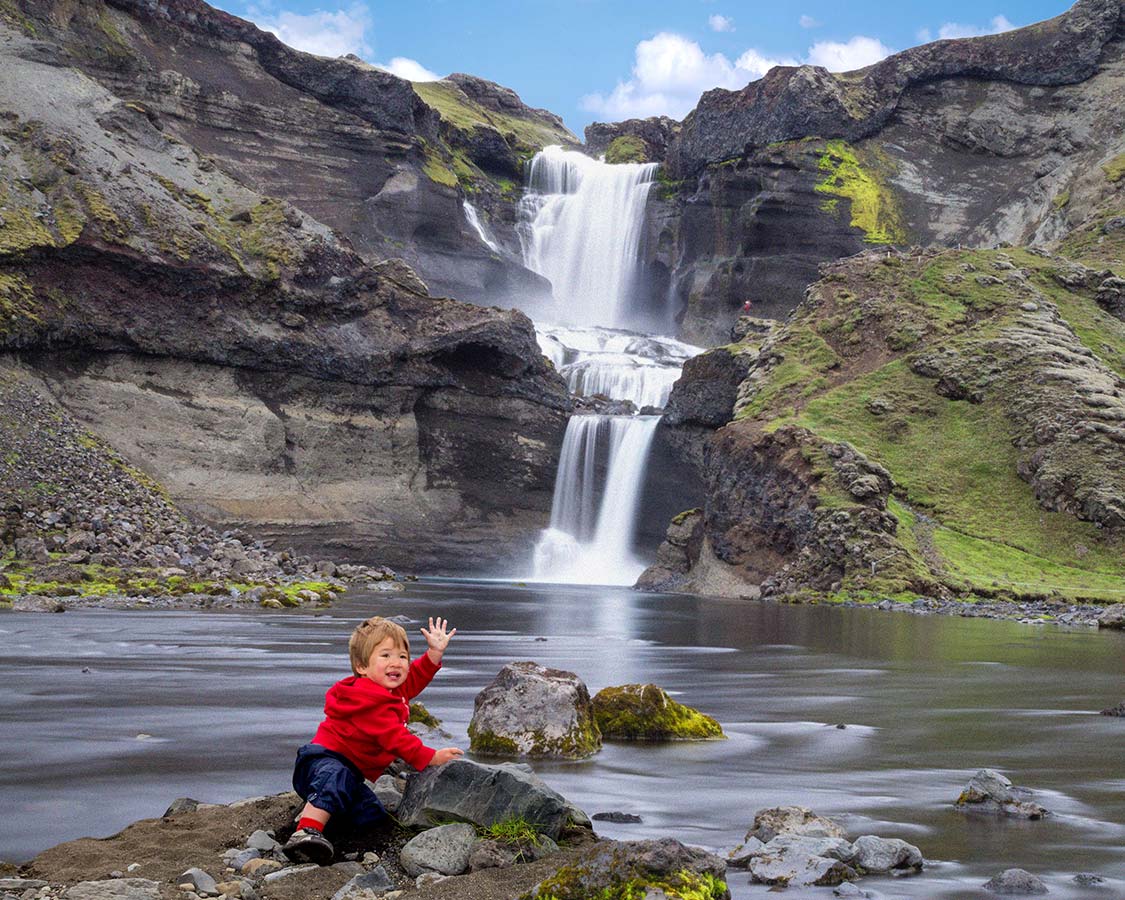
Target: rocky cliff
394,160
964,142
934,422
223,339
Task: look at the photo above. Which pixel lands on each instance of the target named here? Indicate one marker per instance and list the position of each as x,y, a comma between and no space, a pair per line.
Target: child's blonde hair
368,635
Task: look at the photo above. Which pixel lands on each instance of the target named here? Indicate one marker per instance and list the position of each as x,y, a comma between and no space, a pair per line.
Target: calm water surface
108,716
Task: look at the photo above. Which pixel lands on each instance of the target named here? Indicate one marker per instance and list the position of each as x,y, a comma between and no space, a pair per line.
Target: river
224,699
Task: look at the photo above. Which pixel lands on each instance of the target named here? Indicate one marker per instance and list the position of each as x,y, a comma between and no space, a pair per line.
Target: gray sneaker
308,846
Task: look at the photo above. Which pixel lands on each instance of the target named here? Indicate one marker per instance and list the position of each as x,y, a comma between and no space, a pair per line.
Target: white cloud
323,32
955,30
860,51
721,23
669,73
809,22
410,69
924,35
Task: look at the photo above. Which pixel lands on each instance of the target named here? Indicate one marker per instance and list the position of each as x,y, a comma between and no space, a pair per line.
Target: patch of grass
627,148
1115,169
517,831
437,171
873,205
806,356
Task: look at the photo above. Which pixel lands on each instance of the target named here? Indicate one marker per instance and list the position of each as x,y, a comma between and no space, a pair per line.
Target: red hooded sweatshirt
367,723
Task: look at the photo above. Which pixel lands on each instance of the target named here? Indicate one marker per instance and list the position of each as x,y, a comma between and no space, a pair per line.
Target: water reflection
925,701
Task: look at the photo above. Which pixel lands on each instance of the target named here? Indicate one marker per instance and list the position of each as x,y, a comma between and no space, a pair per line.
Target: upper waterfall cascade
581,225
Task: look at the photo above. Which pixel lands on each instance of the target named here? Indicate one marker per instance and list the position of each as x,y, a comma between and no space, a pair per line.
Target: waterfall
474,220
590,543
583,222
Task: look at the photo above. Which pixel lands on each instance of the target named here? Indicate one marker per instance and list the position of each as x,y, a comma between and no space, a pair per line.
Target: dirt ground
165,848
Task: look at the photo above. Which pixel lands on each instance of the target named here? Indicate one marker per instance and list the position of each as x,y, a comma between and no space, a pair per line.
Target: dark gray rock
989,791
1014,882
182,805
877,856
202,883
483,795
619,818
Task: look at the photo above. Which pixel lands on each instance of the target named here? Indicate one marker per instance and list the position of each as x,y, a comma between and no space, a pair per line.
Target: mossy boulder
531,710
628,870
422,716
645,712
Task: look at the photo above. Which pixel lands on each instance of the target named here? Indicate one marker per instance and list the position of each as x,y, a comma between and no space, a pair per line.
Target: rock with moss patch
467,791
531,710
621,871
645,712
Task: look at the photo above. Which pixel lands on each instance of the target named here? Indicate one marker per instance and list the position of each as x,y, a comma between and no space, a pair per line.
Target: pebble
263,841
292,870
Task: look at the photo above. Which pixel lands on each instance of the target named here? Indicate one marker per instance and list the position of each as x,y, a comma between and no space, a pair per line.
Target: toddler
363,731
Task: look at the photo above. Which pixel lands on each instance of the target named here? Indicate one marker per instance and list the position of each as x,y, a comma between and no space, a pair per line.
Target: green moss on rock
489,743
422,716
627,148
573,883
873,206
645,712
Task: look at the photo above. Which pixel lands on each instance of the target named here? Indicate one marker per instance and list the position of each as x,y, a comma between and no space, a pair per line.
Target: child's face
388,664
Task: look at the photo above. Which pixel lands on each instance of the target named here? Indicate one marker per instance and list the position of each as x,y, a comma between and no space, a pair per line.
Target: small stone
377,881
260,840
428,878
230,888
242,857
260,867
1086,879
619,818
292,870
182,805
200,882
370,858
1015,881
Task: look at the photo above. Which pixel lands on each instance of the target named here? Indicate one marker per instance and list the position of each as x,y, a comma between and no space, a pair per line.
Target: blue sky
606,60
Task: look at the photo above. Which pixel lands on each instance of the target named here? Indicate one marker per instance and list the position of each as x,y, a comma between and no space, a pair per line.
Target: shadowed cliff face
384,176
239,351
966,142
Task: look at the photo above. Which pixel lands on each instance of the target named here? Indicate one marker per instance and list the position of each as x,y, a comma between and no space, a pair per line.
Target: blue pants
330,781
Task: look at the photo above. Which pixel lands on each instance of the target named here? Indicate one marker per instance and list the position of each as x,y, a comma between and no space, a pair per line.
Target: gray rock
847,889
387,790
242,857
181,805
290,872
483,795
377,881
260,840
21,884
531,710
1015,881
739,857
989,791
619,818
802,860
1118,710
878,855
1113,617
769,823
348,867
1086,879
202,882
444,849
488,854
114,889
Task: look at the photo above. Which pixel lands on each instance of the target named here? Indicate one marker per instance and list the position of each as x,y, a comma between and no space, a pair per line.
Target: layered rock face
973,142
384,177
236,349
942,422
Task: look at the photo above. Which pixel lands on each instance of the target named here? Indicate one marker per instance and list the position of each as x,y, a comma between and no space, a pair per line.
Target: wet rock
114,889
661,865
878,856
377,881
769,823
991,792
645,712
1015,882
483,795
531,710
619,818
801,860
1113,617
1086,879
1118,710
444,849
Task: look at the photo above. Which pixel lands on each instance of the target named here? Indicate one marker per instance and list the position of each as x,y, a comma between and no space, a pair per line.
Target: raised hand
437,638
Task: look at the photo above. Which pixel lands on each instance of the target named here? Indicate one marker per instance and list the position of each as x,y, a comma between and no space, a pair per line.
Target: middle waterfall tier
597,490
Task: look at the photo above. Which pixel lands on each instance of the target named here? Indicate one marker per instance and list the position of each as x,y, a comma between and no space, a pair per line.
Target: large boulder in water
657,868
769,823
482,795
530,710
645,712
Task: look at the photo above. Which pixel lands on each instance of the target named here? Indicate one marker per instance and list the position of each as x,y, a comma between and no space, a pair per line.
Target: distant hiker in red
364,730
746,308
